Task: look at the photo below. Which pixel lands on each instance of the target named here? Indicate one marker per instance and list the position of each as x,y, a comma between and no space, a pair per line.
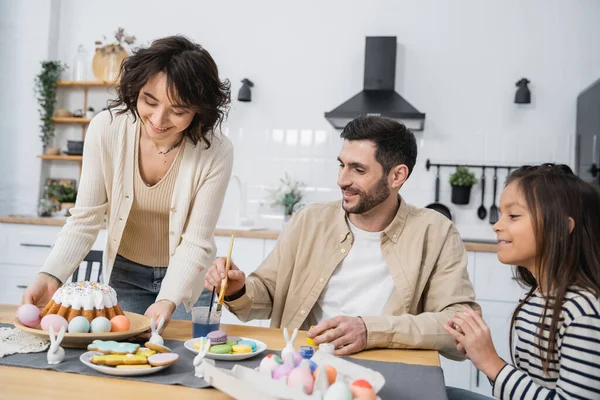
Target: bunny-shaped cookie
56,354
156,338
199,360
289,346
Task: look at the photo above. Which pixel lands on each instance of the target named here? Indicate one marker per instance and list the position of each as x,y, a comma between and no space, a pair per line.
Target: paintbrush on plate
224,281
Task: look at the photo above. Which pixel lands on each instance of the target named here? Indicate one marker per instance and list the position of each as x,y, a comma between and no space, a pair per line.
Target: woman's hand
162,308
40,291
474,339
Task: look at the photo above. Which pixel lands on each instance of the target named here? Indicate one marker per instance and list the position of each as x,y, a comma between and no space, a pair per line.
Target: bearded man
366,271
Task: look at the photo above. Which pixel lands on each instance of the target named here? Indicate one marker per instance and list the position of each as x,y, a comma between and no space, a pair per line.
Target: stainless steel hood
378,96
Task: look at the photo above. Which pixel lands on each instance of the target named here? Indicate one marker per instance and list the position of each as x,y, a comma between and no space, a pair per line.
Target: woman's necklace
173,146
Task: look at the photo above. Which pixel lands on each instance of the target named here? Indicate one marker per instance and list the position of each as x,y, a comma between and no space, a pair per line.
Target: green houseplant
462,180
64,194
45,91
288,195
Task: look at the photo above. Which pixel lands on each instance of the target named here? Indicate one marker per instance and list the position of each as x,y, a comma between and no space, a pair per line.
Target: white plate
85,358
260,347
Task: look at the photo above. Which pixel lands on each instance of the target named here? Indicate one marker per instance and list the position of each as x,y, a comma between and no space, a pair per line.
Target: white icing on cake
86,295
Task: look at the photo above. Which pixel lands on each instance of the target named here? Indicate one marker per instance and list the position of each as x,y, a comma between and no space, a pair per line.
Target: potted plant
462,180
64,193
288,195
45,90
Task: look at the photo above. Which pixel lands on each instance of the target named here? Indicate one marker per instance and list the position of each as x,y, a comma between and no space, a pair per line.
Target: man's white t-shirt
360,285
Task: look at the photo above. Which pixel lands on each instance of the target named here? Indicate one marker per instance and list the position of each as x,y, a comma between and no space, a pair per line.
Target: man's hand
347,334
216,273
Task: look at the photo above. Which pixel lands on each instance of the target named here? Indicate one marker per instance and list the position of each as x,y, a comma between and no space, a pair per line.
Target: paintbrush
224,281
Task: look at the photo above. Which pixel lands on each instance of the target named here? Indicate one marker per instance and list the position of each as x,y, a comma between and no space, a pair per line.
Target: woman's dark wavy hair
192,80
565,259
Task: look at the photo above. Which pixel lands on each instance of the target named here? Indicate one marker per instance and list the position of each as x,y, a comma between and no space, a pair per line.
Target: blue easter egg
100,325
79,324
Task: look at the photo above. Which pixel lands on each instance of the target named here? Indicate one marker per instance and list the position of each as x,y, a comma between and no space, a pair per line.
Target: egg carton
245,383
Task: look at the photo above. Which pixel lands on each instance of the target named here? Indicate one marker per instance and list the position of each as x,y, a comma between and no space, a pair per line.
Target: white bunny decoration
156,338
56,354
289,346
199,360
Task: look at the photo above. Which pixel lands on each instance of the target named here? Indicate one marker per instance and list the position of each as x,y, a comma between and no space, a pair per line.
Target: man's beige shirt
425,255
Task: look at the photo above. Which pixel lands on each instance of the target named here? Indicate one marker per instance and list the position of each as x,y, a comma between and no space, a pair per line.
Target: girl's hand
472,336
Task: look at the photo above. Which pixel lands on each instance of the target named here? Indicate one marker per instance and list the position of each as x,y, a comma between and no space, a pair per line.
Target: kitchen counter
470,244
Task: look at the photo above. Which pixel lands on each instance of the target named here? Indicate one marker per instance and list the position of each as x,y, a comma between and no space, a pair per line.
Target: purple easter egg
297,358
283,371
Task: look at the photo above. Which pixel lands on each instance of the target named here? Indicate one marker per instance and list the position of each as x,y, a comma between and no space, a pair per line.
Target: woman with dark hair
550,229
157,165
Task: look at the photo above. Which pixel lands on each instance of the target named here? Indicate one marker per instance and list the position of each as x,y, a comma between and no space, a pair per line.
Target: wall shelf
60,157
71,120
85,84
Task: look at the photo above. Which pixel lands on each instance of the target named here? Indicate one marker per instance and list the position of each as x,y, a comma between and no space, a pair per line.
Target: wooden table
28,383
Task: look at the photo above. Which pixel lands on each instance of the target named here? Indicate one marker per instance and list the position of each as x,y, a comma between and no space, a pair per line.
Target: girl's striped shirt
574,371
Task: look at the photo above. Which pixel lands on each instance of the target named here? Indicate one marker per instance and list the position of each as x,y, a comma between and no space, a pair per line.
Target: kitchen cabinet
23,250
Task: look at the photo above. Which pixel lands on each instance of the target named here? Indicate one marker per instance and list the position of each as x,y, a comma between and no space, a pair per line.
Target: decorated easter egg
55,320
119,323
313,366
338,391
270,364
29,315
301,377
282,371
362,390
100,325
331,374
79,324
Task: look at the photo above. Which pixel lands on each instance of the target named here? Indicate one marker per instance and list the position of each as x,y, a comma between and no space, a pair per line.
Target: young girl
550,228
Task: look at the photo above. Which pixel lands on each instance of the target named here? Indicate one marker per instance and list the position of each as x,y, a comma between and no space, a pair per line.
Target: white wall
458,62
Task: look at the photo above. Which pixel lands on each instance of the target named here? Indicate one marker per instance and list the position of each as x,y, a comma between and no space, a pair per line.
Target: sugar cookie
161,359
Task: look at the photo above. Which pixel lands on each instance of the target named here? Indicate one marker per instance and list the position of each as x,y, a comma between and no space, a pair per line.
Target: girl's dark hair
553,194
192,80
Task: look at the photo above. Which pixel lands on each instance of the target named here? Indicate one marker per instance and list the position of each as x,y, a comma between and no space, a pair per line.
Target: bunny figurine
156,338
56,354
289,346
199,360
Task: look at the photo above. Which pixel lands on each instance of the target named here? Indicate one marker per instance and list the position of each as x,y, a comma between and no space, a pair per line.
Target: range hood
378,97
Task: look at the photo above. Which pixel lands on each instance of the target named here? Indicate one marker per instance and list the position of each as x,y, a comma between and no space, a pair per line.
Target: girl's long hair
564,258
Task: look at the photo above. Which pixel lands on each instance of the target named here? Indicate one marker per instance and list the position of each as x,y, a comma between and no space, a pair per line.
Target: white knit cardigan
106,187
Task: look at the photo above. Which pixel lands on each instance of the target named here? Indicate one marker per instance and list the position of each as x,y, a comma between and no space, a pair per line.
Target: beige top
146,236
106,190
422,248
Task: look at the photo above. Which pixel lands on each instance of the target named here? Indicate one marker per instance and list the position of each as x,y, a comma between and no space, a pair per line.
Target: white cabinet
498,294
24,249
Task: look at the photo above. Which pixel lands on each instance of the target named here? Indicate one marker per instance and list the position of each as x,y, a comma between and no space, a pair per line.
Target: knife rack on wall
429,164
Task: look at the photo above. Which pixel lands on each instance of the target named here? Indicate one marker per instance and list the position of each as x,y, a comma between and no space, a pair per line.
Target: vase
107,62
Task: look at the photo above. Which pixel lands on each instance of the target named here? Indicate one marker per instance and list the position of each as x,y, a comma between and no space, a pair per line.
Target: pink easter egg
282,371
301,377
55,320
29,315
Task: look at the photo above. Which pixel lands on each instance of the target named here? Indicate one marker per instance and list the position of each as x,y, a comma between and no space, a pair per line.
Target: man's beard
369,200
